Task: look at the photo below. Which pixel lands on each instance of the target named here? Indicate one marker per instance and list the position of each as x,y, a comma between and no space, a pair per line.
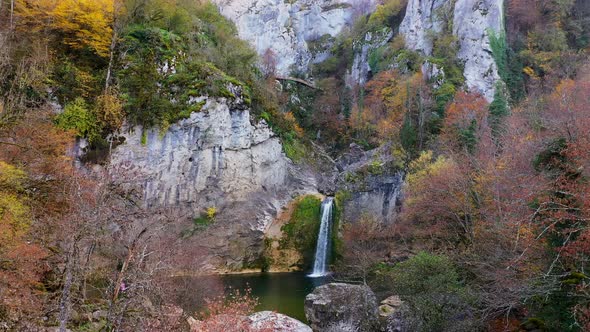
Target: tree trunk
111,58
64,302
121,277
11,14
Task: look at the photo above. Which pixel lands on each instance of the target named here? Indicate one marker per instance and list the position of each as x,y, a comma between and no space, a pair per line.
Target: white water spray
320,265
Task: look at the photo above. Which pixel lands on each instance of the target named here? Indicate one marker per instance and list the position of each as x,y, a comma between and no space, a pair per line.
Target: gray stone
220,158
420,22
378,194
360,69
472,22
286,27
272,321
99,314
393,301
342,307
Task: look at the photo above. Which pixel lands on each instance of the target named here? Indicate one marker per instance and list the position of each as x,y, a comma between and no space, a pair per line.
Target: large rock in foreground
272,321
342,307
259,321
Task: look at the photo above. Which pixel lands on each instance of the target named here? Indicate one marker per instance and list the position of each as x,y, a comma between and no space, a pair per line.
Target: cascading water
321,252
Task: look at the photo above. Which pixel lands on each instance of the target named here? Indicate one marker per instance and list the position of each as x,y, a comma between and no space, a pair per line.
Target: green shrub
77,117
498,109
430,285
294,149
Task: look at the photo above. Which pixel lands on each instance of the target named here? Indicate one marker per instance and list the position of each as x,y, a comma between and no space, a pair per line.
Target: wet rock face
288,26
381,199
472,22
342,307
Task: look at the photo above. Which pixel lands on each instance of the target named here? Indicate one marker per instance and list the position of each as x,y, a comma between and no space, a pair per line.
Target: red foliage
229,314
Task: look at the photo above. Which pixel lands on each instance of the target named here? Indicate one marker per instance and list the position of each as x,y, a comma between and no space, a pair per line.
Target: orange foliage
389,98
468,111
40,149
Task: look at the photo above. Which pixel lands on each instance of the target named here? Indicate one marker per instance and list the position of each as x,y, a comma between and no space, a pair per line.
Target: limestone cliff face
372,183
422,18
218,157
360,69
287,27
215,150
472,22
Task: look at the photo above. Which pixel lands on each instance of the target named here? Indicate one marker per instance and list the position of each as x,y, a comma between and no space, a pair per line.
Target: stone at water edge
259,321
394,312
265,320
342,307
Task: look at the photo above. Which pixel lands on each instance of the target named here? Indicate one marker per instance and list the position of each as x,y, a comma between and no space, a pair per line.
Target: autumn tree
465,121
363,249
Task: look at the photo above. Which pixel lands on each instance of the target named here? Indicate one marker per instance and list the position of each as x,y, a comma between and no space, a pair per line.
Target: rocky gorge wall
218,157
288,27
472,23
217,149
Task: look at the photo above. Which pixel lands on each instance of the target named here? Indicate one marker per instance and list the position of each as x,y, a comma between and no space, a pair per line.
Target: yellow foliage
530,72
109,110
425,166
14,213
384,11
11,178
33,15
290,118
82,24
86,23
211,212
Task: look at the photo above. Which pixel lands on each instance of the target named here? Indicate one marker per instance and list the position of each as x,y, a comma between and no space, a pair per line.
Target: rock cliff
372,182
289,28
218,157
472,21
422,18
217,148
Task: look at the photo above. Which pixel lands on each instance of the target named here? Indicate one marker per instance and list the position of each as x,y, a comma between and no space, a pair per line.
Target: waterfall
323,246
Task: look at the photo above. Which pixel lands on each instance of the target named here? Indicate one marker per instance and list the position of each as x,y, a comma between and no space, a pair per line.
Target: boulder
342,307
269,320
259,321
394,313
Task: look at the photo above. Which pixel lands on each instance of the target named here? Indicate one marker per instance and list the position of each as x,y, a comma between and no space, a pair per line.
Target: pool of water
281,292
